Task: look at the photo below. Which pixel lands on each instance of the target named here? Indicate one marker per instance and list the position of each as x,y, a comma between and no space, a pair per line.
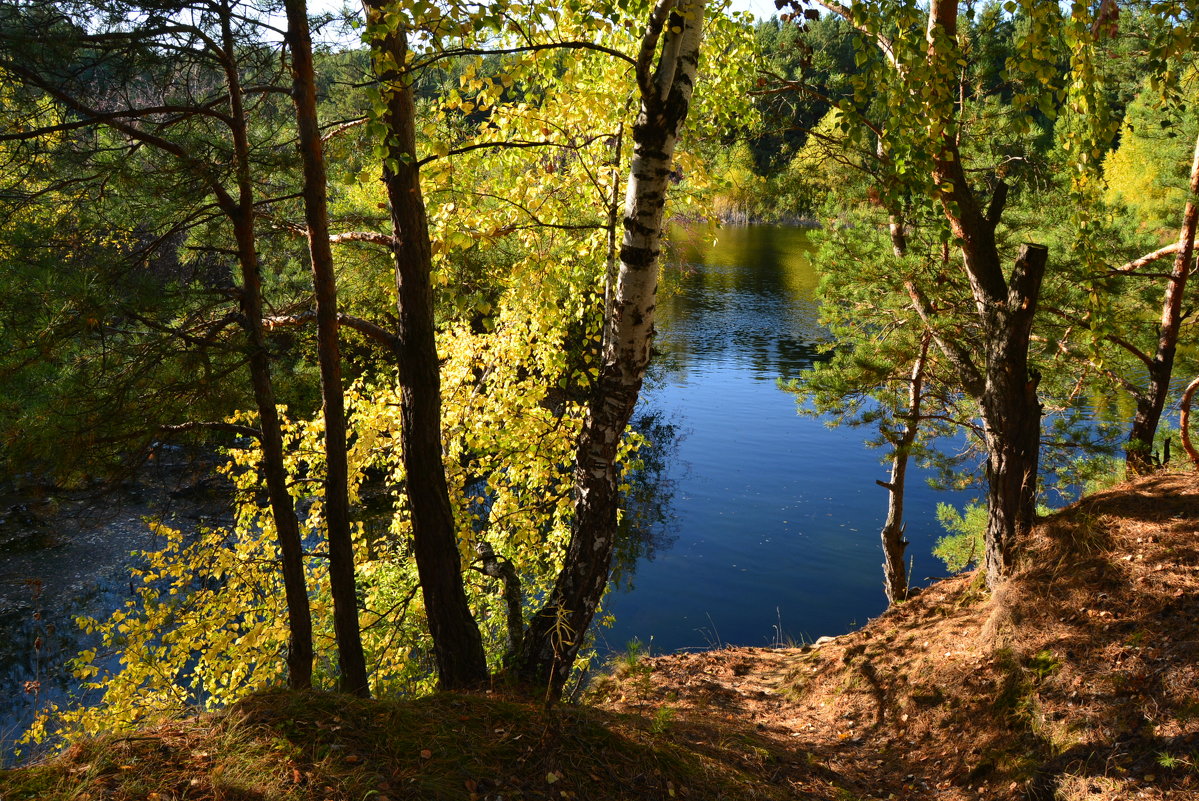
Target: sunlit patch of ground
1079,679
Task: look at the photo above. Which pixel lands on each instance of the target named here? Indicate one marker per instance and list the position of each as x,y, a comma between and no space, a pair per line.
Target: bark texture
351,659
1184,421
1004,385
895,573
457,645
666,72
505,571
240,211
1151,403
1011,414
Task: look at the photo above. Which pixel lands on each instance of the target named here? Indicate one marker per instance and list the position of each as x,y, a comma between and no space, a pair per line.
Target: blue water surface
774,518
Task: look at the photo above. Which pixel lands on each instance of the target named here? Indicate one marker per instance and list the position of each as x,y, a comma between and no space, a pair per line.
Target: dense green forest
412,266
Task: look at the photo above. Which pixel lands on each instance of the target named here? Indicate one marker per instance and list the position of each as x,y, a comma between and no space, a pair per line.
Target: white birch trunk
557,631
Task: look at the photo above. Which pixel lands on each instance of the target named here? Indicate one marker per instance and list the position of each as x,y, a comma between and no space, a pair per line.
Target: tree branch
207,339
107,117
1148,258
372,237
364,327
972,379
799,86
516,144
230,428
537,221
1064,348
225,200
998,201
472,51
649,48
503,570
884,44
340,128
1115,340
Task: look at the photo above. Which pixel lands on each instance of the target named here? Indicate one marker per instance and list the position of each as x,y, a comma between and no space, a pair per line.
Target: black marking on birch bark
637,258
676,109
652,155
636,228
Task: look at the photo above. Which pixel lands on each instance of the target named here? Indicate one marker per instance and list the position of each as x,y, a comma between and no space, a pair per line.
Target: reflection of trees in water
769,356
739,295
648,523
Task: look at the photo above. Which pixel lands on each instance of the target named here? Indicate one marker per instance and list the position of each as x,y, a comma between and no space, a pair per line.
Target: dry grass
313,747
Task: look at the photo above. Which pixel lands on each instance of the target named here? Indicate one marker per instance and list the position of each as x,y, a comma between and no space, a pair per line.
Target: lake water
67,554
771,519
775,518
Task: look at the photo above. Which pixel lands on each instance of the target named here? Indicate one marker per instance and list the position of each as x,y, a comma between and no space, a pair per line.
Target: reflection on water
775,516
713,309
647,523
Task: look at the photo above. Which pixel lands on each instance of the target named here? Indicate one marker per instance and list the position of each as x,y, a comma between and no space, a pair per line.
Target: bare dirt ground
1079,679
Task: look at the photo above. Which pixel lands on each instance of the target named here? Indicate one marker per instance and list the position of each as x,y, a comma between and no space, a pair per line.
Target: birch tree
666,69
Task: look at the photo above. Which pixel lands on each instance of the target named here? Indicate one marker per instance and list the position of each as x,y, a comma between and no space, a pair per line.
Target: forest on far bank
419,274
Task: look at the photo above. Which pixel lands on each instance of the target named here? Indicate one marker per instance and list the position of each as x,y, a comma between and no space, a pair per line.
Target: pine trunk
1184,421
895,573
1150,405
287,529
457,644
1005,387
1012,414
342,582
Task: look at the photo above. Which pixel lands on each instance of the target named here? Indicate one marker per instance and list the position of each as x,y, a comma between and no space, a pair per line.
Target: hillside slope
1078,680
